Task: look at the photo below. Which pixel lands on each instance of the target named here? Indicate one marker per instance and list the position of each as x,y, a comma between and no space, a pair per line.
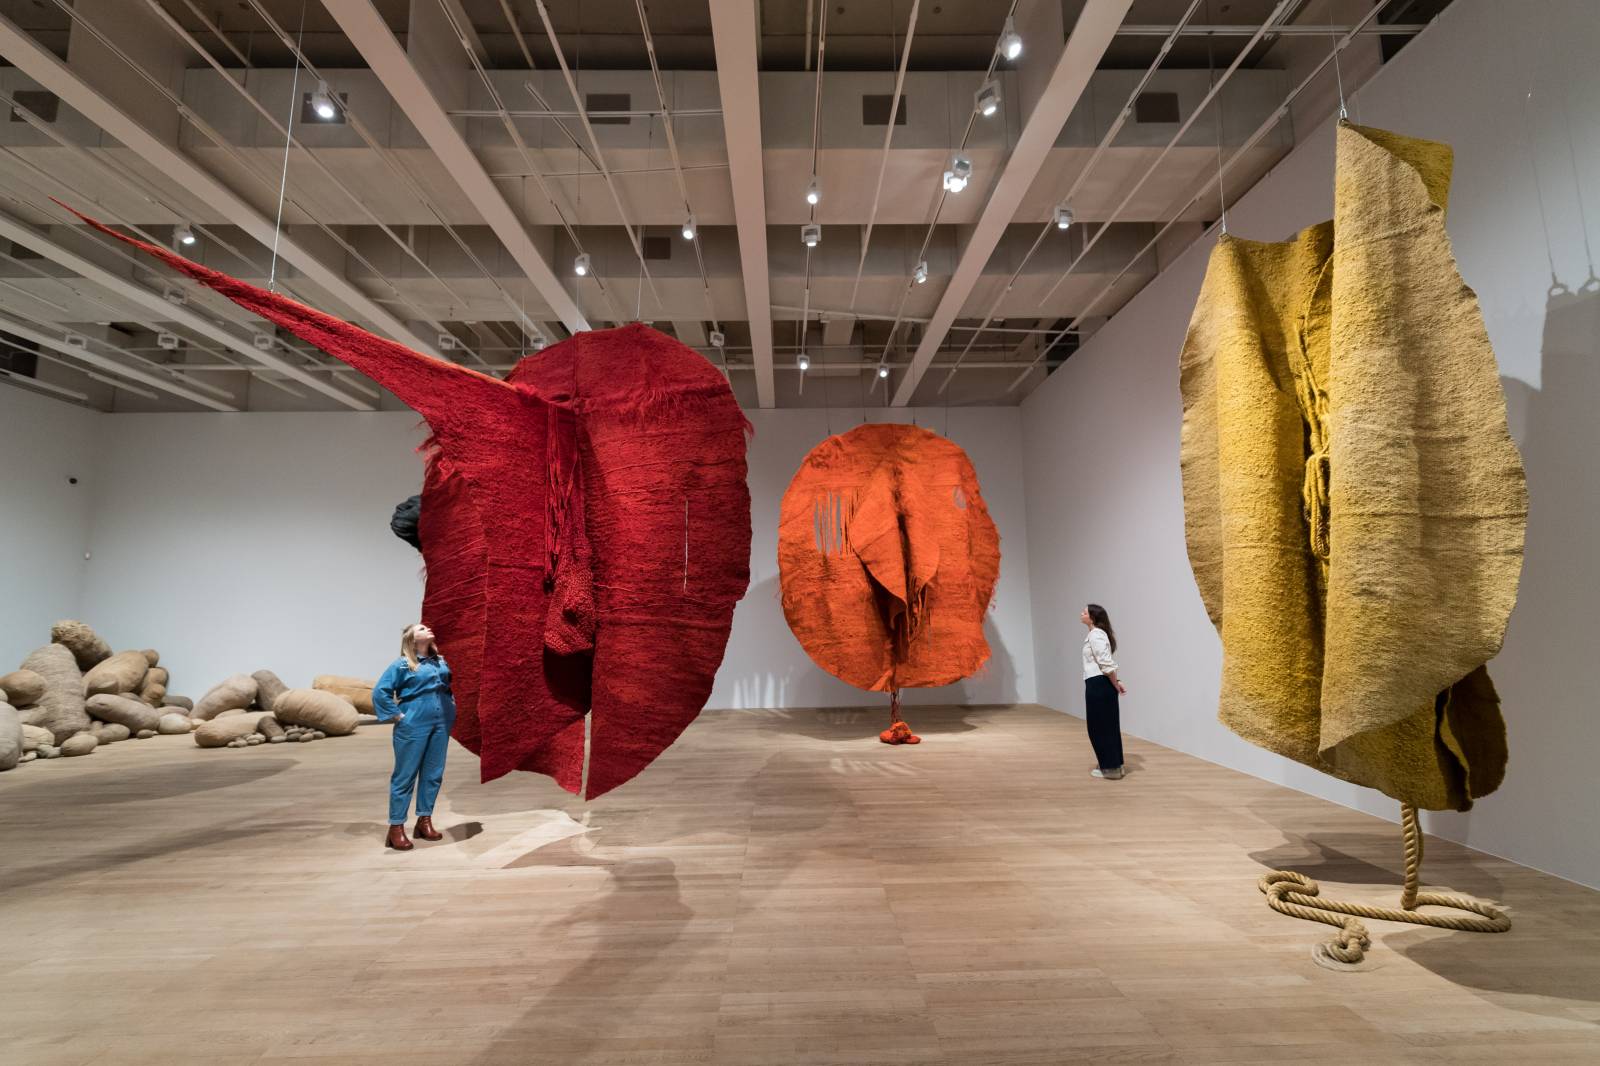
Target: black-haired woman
1101,690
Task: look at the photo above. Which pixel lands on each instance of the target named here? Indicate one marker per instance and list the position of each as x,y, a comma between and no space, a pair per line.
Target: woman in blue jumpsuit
414,693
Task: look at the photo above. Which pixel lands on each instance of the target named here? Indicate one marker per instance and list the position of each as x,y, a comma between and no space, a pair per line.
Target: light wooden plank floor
779,888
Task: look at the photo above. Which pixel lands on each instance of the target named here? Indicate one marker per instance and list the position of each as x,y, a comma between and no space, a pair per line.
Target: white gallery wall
44,517
1105,512
235,542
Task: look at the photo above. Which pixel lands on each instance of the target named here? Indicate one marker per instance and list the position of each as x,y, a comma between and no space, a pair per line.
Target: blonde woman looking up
414,694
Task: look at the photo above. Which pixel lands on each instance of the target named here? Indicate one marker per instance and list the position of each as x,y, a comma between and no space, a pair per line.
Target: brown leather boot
425,829
397,839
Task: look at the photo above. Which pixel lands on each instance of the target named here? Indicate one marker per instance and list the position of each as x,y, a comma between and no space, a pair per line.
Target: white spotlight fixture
718,339
814,191
580,265
987,101
688,228
803,361
262,342
811,234
183,234
168,341
322,103
883,371
920,274
1063,217
1010,39
959,173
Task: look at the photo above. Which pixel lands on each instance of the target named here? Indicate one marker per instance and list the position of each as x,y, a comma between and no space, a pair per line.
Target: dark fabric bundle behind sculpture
586,530
1354,503
405,520
887,558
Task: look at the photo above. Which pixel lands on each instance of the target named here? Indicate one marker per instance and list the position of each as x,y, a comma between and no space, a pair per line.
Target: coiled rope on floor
1299,896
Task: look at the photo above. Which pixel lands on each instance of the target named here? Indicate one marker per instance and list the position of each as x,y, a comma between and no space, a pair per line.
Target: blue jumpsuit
423,710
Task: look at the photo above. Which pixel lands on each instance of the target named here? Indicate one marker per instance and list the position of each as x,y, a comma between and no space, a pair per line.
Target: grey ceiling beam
95,359
42,66
733,33
165,310
1093,34
366,29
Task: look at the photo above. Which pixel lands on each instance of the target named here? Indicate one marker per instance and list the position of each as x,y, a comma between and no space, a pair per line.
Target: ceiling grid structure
476,153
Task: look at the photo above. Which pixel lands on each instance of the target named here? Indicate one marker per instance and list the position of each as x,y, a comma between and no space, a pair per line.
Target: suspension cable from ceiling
188,114
677,167
888,138
521,145
594,141
309,156
354,123
816,140
944,193
1212,94
1266,127
550,112
1099,152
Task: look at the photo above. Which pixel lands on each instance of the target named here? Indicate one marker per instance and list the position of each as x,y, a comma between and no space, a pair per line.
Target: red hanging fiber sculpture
887,560
586,529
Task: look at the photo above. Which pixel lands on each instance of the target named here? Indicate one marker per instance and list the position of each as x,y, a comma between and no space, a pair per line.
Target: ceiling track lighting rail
464,37
1261,131
946,179
385,155
883,158
690,230
352,122
599,157
314,269
1063,216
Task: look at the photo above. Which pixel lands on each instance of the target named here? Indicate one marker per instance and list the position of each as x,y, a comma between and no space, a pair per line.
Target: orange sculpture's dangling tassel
898,732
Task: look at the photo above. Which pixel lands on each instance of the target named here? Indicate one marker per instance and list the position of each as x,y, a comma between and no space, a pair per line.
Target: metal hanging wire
1211,73
288,144
1261,131
1338,76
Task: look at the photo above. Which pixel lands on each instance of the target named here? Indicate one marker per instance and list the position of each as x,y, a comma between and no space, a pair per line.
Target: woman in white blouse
1100,691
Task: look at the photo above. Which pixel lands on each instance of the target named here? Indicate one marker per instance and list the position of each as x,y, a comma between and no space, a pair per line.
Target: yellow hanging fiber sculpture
1355,505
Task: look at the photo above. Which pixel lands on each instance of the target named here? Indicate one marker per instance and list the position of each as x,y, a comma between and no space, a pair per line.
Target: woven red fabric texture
887,559
586,530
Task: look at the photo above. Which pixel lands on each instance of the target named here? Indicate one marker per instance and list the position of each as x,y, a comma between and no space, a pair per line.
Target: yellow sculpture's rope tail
1299,896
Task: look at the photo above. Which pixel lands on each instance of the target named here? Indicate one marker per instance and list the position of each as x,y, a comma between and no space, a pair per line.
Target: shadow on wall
996,682
752,684
1555,628
800,682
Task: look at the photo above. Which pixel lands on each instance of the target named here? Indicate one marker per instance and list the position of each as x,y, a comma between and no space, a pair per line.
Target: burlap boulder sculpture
10,737
232,694
88,650
316,709
352,689
123,672
60,707
123,710
269,686
219,732
23,688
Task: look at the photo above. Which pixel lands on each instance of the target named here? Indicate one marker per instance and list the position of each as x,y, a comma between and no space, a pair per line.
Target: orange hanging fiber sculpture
887,558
